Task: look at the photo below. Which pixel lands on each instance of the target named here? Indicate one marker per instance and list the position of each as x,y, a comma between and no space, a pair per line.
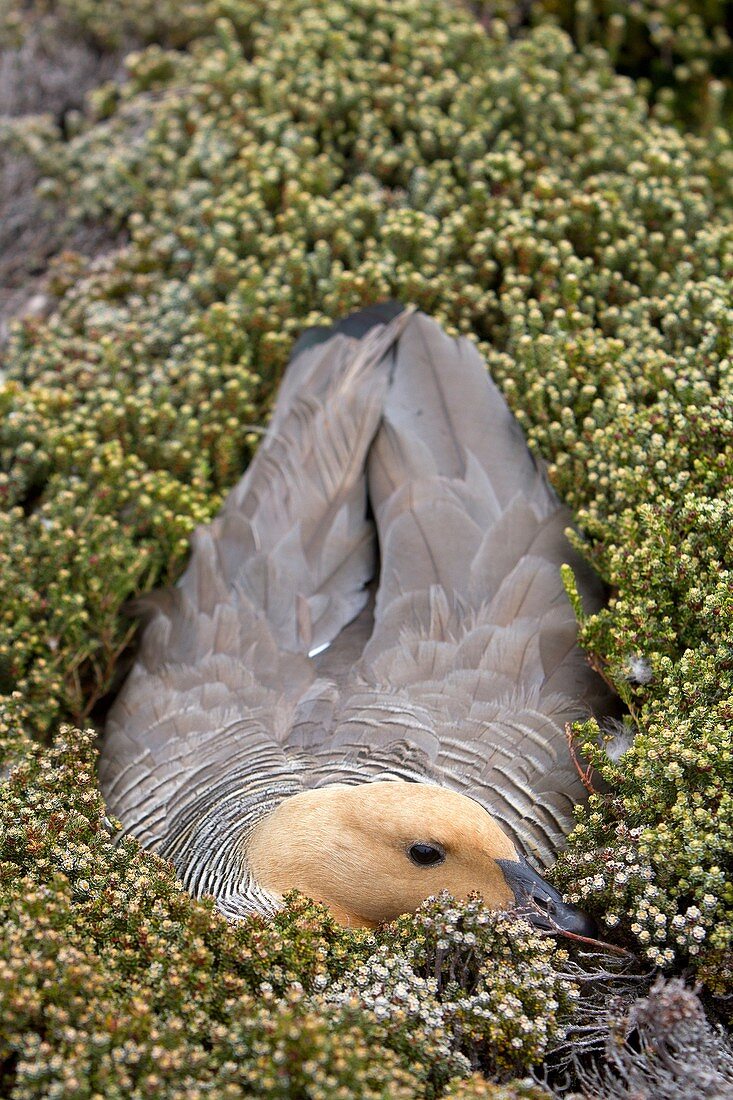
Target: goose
360,685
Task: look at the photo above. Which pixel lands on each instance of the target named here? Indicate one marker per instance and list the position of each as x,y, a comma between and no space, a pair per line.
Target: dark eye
425,855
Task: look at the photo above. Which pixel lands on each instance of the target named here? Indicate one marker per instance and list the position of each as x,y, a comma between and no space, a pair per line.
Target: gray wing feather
198,737
462,672
473,658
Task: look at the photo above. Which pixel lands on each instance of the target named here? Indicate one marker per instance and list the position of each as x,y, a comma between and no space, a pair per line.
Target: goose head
373,851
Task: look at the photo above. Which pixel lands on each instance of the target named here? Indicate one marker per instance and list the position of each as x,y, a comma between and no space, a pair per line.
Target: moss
295,162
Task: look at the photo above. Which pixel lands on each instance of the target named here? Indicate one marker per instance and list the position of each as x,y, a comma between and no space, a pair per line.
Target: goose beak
540,904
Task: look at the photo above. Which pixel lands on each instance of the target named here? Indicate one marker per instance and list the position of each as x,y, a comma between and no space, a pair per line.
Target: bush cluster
681,50
116,983
488,988
295,162
678,50
103,25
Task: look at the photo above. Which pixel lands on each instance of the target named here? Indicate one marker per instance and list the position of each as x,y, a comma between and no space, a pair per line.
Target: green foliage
477,1087
679,50
654,859
493,981
295,162
106,25
115,982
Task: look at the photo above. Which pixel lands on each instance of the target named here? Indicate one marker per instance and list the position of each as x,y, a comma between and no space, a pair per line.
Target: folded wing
196,741
273,666
473,657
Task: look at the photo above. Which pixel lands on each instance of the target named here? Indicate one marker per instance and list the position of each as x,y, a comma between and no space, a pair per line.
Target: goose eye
426,855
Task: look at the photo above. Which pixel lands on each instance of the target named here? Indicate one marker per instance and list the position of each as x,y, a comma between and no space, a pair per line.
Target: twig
584,774
608,948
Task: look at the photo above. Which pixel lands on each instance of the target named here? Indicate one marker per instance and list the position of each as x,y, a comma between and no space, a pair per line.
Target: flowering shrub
680,50
114,981
295,162
477,1087
485,987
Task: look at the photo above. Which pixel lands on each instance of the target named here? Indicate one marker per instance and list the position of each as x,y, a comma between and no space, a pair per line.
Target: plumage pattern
272,667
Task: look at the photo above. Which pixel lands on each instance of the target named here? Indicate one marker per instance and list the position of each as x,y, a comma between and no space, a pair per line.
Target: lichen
664,1046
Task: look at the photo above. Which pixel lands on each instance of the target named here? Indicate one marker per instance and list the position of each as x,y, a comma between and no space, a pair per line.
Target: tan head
373,851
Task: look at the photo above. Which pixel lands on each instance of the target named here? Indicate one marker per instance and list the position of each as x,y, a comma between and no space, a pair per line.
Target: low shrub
293,163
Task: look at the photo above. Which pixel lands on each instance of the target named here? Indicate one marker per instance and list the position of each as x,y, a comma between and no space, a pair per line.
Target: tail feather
293,536
472,623
459,500
356,325
442,401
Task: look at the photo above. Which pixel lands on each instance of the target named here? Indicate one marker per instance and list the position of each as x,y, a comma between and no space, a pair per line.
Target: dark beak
540,904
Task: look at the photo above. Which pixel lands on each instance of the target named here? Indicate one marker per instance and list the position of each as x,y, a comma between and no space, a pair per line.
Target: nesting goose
291,723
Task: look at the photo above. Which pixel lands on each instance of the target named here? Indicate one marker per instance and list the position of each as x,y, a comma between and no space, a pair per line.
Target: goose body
369,710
